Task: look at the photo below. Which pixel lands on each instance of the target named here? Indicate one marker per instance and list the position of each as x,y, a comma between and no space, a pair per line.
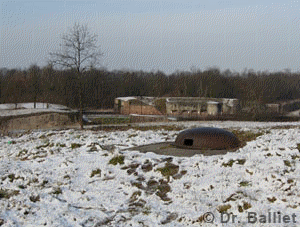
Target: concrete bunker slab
205,141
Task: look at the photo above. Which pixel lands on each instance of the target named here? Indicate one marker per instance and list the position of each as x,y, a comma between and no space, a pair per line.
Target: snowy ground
76,178
28,108
31,106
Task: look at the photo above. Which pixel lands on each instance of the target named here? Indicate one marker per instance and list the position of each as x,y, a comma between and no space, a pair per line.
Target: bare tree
35,77
79,51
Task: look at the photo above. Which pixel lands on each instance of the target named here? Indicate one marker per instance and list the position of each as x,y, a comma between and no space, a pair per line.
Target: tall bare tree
79,51
35,78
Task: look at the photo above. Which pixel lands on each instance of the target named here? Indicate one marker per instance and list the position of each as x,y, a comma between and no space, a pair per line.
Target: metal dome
207,138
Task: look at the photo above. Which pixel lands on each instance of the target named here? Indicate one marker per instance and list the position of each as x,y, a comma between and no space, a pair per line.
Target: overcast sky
165,35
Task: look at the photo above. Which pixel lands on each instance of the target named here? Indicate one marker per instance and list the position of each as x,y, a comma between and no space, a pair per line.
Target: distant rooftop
126,98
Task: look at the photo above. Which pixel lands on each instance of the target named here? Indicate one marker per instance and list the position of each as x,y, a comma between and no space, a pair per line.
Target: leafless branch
79,49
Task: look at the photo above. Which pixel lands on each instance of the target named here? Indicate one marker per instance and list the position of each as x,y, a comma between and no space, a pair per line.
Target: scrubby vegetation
111,120
231,162
117,160
247,136
96,172
169,169
75,145
7,193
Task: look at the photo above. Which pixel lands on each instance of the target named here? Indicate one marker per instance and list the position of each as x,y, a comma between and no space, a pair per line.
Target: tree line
100,87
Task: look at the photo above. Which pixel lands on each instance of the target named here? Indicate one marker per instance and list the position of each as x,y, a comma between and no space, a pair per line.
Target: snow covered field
39,105
28,108
87,178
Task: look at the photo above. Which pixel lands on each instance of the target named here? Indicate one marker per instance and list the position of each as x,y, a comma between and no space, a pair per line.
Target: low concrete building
289,108
200,106
176,106
134,105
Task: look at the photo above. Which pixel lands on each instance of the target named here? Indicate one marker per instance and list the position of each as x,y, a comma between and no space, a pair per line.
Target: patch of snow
31,106
28,108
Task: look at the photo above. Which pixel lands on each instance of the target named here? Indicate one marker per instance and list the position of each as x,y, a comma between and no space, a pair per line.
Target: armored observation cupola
206,138
207,141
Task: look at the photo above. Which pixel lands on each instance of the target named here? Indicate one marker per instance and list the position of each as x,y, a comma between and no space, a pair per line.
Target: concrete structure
294,113
135,105
207,138
204,141
289,108
176,106
200,106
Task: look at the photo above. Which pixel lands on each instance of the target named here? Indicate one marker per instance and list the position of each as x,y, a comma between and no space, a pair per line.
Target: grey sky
161,35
